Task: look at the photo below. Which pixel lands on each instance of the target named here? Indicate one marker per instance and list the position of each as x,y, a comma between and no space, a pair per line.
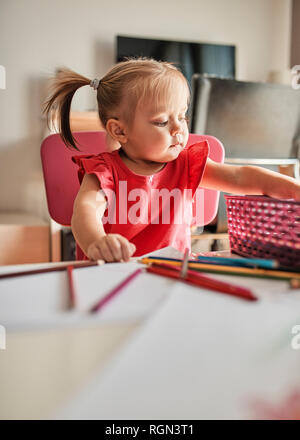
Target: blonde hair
126,85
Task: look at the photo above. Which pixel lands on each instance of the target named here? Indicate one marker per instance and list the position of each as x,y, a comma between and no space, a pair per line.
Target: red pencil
115,291
197,279
75,264
54,268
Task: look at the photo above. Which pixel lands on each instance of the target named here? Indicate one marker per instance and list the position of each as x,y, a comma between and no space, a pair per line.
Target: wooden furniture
85,121
24,238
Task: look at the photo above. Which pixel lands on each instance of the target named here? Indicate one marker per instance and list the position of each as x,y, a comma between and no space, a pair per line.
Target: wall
36,36
295,34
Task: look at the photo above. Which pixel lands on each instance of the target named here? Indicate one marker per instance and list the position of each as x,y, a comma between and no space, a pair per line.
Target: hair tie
95,83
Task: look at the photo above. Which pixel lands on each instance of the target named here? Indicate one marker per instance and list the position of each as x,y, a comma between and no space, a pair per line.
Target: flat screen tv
190,58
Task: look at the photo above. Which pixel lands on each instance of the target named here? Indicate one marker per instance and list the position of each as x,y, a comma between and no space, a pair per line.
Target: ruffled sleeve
197,155
95,164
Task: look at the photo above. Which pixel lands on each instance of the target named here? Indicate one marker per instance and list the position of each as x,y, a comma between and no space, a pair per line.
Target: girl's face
159,131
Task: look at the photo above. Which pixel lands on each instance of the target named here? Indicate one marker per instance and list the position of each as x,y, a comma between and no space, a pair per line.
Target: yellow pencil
232,270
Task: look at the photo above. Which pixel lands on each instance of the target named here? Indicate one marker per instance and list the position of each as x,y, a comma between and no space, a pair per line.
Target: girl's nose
175,129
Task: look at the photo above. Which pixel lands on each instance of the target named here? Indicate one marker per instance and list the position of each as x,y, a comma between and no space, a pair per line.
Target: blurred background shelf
24,238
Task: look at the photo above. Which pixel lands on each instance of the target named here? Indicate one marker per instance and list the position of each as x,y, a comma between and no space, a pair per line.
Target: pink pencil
115,291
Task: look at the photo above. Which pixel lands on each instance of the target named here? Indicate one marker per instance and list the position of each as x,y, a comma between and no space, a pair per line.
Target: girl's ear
111,143
116,129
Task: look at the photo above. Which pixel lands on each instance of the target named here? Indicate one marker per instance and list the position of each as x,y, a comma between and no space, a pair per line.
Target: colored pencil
248,262
197,279
184,266
227,270
72,292
117,289
294,284
246,271
229,261
76,265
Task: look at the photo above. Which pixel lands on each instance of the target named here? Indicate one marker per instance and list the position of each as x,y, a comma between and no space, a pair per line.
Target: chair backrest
252,120
61,178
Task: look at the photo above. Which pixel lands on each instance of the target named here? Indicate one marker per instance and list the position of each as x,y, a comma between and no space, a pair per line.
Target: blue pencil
228,261
243,262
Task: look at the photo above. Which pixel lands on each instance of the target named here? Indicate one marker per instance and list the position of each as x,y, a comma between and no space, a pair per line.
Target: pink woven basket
263,227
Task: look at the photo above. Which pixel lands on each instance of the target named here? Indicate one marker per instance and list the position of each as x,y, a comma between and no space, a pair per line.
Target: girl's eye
160,124
184,119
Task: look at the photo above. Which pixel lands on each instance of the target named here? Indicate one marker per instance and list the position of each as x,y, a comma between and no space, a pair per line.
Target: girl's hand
296,195
111,247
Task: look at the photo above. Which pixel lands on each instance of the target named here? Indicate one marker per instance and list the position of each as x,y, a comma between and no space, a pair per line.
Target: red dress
150,211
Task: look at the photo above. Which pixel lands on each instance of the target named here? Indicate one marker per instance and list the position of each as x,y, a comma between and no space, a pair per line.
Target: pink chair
61,179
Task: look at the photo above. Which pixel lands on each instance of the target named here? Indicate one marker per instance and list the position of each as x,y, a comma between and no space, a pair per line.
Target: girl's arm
249,180
87,228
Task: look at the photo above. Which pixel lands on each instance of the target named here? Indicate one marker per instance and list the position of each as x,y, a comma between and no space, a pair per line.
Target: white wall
36,36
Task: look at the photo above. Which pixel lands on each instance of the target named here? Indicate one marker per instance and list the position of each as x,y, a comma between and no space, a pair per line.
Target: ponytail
57,107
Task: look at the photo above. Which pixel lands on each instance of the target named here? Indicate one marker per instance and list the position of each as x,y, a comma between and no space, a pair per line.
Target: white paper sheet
41,300
203,355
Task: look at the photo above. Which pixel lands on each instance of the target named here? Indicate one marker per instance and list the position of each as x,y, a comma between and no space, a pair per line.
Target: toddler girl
138,197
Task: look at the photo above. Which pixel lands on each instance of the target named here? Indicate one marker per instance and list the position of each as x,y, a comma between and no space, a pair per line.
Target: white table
51,370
